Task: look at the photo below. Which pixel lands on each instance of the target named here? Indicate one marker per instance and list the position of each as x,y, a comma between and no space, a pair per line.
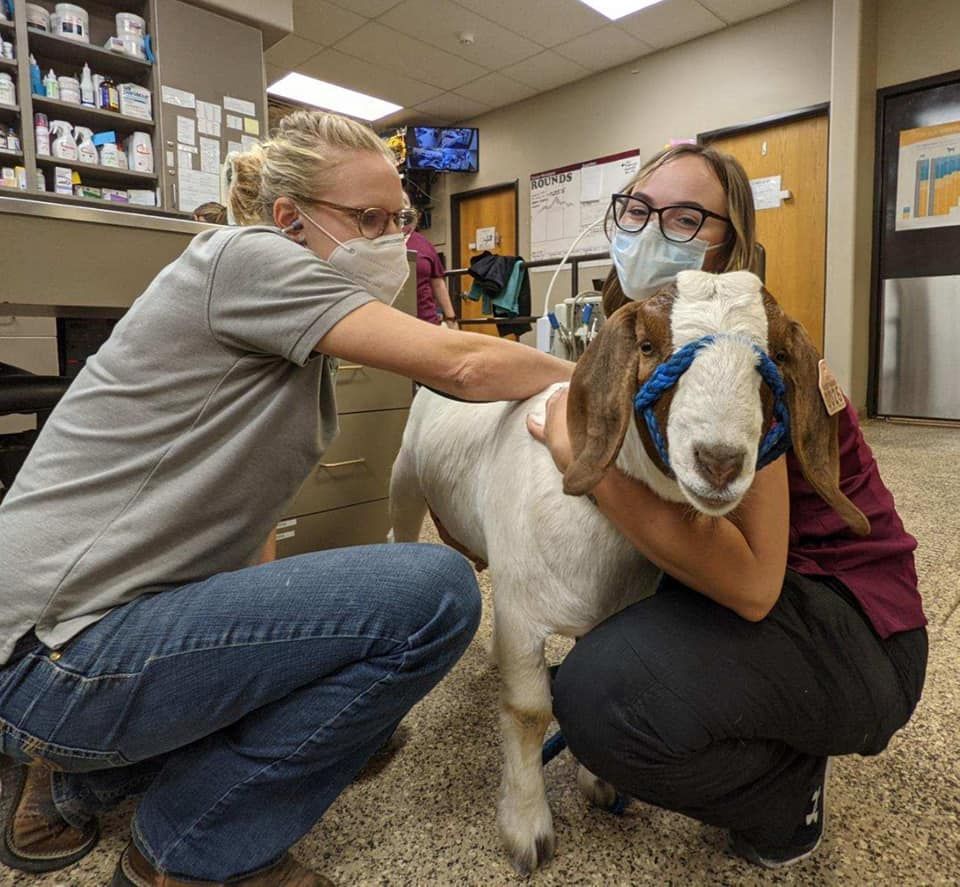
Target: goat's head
714,418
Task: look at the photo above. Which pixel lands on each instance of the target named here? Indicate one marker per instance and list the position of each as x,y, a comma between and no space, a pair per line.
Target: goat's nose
718,465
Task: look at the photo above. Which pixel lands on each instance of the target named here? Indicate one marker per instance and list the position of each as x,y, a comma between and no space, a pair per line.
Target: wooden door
793,234
493,208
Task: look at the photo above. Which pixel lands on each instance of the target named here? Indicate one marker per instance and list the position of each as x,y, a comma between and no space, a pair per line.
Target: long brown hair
741,247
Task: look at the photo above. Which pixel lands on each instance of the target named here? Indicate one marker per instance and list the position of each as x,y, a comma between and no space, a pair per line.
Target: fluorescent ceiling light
614,9
330,97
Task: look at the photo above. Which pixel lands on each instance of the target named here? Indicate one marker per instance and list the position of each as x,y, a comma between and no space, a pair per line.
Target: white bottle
139,148
109,155
51,86
8,92
41,130
97,80
63,144
86,87
86,151
69,89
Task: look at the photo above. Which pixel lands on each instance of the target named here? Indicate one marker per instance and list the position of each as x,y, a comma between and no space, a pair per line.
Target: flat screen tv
443,149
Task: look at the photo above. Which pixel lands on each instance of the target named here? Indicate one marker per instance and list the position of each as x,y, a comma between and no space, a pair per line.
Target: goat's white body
498,493
556,564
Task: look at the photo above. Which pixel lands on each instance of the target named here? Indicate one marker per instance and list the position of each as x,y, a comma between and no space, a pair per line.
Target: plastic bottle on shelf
36,78
51,88
97,80
62,145
86,87
69,89
139,148
41,130
8,91
86,152
109,153
109,97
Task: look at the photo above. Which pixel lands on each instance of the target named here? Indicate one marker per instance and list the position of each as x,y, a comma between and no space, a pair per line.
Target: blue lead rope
775,442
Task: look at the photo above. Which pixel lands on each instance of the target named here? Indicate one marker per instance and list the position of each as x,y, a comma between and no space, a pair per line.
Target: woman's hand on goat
553,431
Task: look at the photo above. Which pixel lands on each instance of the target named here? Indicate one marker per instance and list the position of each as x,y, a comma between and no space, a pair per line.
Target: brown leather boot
133,870
36,838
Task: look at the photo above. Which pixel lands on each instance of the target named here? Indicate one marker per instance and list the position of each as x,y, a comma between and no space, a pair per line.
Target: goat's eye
780,356
646,347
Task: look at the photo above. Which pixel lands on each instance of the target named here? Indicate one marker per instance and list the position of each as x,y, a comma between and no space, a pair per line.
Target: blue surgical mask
647,261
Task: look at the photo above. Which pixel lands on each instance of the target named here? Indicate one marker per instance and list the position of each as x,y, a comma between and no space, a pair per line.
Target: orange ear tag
830,390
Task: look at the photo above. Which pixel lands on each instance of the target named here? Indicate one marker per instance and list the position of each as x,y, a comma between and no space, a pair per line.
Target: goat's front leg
523,814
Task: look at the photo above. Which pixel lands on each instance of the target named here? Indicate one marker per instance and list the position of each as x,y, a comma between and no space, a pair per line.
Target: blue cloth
243,704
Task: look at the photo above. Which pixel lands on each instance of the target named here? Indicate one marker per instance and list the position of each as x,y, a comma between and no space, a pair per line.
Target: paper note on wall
486,238
209,111
766,192
184,160
251,125
179,97
186,130
209,155
591,183
247,142
239,106
234,121
234,146
196,188
209,128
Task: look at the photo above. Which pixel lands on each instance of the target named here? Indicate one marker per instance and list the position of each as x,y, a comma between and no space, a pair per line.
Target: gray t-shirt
180,442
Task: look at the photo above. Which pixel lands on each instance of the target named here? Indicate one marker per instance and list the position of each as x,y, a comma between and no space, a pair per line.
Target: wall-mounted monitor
443,149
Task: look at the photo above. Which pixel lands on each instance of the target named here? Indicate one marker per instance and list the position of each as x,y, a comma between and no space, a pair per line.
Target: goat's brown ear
600,402
813,432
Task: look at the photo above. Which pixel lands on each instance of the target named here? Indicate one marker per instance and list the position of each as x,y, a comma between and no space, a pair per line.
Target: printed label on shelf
239,106
289,534
289,522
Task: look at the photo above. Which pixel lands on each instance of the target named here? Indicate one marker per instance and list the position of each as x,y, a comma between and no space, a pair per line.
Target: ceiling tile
440,22
740,10
496,90
386,49
603,48
670,23
452,108
545,71
353,73
290,51
366,8
546,22
322,22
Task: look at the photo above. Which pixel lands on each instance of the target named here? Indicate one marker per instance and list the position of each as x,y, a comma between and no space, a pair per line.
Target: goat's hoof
530,842
596,790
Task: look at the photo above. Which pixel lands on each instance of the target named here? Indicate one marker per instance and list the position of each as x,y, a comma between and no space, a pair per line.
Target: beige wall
769,65
915,39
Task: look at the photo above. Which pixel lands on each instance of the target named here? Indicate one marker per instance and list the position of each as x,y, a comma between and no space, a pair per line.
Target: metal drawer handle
342,464
349,366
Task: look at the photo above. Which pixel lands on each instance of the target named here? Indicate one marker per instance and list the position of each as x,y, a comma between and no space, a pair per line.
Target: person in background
212,212
777,637
433,298
142,650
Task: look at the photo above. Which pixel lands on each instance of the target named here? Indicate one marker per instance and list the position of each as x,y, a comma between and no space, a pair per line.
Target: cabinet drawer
17,326
361,389
356,467
364,524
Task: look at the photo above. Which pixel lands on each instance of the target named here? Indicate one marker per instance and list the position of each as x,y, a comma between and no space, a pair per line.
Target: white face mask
647,261
380,266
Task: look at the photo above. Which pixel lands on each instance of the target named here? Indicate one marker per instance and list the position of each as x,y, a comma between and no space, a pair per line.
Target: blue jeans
242,704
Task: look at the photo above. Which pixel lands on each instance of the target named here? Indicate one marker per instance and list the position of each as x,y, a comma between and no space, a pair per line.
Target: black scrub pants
680,703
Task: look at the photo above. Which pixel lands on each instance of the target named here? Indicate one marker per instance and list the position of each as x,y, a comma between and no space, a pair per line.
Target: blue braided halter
775,442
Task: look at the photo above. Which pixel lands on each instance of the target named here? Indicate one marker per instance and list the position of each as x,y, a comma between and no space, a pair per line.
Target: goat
557,565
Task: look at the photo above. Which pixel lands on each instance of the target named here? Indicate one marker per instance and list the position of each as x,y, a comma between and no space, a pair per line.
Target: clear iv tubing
563,261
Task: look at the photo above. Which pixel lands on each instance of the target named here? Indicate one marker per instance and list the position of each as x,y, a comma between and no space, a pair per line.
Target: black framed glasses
677,223
373,221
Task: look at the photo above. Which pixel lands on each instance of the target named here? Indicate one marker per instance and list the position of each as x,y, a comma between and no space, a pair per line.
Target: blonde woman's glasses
373,221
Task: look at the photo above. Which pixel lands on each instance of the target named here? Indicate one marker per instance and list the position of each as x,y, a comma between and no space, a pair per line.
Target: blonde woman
139,649
778,637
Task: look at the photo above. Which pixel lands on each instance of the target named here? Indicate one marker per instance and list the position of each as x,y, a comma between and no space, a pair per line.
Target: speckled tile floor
428,819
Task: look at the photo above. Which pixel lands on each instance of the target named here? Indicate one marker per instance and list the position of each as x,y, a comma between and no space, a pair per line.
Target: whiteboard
565,201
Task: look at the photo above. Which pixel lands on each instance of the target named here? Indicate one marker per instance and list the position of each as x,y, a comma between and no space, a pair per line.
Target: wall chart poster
928,177
564,201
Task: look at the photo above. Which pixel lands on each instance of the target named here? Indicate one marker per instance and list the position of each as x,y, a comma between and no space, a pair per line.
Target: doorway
480,210
793,229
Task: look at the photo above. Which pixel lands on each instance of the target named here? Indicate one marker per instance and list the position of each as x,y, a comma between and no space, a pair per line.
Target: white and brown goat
557,565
